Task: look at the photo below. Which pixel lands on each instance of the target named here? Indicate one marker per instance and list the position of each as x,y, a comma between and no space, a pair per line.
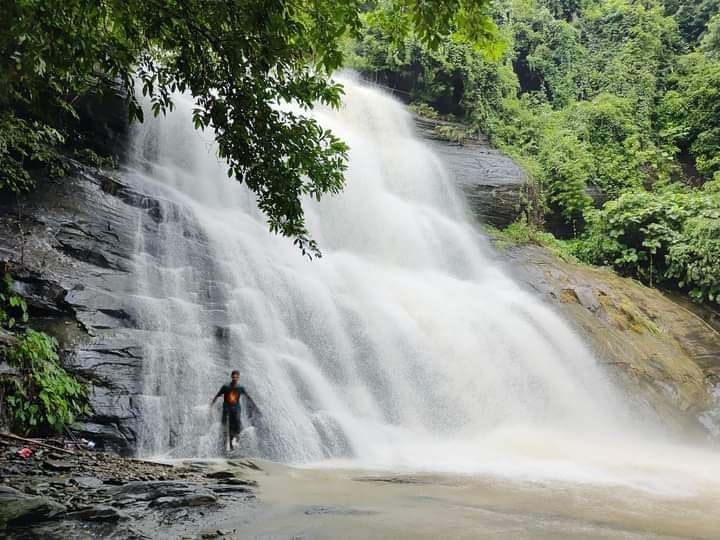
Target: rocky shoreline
90,494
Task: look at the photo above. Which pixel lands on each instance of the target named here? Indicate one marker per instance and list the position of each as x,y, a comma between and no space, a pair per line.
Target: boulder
666,355
164,493
493,184
220,474
17,508
57,465
87,482
201,497
99,513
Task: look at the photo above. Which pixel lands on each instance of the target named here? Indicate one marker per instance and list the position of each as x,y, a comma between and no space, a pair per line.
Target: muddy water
332,503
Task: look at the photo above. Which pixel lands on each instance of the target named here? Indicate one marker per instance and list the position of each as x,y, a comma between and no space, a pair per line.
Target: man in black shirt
231,405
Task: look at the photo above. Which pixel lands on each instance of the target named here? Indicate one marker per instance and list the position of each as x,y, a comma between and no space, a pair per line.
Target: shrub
42,396
670,237
424,110
452,133
520,232
695,261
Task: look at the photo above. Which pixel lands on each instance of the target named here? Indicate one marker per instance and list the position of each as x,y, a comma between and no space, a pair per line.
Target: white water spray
403,347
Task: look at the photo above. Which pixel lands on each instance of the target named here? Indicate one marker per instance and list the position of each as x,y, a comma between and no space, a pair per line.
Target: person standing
231,406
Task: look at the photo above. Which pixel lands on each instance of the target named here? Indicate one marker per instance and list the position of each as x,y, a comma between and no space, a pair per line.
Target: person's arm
220,393
247,396
253,408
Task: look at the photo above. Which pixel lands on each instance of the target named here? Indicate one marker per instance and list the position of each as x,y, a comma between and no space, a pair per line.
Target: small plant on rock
41,396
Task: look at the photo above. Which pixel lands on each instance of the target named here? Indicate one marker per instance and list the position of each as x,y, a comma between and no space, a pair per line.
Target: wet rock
240,482
114,481
229,488
492,182
10,469
17,508
87,482
77,250
586,298
393,479
665,354
212,534
220,474
199,464
219,533
179,514
99,513
59,485
200,497
91,507
173,493
247,464
57,465
107,436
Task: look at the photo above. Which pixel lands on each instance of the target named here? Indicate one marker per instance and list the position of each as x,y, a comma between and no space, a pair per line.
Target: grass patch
520,233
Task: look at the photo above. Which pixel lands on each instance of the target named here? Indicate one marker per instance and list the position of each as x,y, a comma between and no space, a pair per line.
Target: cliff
664,353
73,243
662,348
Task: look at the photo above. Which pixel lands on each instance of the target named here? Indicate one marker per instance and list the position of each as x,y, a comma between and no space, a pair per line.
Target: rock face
492,182
666,354
17,508
71,243
100,495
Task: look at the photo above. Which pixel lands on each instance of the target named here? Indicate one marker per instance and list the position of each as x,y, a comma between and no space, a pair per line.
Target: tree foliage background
612,107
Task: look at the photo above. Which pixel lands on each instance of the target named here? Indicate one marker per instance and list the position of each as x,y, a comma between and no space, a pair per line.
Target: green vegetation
239,59
613,109
520,233
41,397
669,236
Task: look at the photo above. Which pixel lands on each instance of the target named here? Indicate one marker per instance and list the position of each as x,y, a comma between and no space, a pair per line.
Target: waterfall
404,345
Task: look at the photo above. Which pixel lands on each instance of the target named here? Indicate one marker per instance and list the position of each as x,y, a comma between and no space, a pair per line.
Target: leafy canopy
239,59
671,237
612,107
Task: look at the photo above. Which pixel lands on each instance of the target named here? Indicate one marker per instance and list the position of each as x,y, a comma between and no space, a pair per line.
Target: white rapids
405,347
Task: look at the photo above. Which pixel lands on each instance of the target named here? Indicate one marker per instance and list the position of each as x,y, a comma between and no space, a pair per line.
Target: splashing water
405,346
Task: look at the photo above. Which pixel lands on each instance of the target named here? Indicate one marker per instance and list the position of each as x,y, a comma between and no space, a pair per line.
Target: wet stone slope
71,247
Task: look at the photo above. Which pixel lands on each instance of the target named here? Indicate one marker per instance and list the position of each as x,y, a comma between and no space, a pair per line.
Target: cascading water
403,346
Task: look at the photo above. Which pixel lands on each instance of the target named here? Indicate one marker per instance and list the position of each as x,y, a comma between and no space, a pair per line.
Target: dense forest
611,106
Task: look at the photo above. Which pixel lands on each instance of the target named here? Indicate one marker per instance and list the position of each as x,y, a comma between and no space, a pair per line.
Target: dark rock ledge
70,245
54,494
492,182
